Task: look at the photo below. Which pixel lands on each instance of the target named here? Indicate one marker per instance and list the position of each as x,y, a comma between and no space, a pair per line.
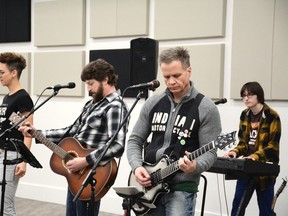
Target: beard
97,96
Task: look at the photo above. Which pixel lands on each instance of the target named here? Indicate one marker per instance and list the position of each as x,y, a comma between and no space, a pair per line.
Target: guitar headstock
282,186
224,140
15,118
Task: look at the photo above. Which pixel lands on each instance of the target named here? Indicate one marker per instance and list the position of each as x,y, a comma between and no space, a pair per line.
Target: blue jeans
264,198
79,208
175,203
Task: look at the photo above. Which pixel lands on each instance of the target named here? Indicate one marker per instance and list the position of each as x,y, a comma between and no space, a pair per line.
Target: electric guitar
164,168
68,149
279,191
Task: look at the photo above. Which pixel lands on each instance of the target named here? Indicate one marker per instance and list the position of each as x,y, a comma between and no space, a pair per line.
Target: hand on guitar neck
26,129
143,178
187,165
74,165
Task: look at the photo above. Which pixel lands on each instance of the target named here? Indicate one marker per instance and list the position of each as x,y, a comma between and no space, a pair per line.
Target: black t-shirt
21,102
255,122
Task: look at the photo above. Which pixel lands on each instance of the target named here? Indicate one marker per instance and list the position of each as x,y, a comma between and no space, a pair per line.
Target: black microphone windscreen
71,85
156,84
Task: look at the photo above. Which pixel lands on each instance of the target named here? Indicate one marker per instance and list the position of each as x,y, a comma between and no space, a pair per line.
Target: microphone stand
89,178
5,161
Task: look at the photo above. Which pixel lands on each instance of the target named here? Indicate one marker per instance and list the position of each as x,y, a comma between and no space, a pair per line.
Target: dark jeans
80,208
264,198
178,203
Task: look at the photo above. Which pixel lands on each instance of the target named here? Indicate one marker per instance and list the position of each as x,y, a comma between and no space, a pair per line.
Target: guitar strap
178,149
79,117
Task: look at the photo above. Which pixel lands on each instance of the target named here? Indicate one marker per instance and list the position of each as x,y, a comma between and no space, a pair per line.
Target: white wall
43,184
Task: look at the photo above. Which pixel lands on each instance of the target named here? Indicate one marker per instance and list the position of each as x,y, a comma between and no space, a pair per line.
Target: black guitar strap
178,149
79,117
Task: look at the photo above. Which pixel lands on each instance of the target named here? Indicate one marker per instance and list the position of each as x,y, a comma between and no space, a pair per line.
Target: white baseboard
110,203
42,193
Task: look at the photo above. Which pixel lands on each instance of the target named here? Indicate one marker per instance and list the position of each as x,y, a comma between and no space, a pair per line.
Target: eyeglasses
249,96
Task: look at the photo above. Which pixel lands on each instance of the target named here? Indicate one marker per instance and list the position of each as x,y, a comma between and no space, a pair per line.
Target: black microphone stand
7,162
89,178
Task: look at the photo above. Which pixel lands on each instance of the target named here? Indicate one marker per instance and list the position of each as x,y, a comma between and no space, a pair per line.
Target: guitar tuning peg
19,114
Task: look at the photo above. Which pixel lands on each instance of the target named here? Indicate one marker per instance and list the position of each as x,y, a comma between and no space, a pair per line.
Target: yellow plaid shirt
267,142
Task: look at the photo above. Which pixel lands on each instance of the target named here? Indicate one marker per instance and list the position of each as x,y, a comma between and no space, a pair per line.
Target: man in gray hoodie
177,122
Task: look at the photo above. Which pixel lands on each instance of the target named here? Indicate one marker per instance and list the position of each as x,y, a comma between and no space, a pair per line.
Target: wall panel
183,19
52,68
125,18
280,52
59,22
252,44
98,13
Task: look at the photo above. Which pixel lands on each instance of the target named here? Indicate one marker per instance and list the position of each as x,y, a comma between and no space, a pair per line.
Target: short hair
13,61
253,88
178,53
99,70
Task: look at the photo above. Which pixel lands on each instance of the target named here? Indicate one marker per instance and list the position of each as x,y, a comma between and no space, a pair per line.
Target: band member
18,101
98,122
259,136
180,118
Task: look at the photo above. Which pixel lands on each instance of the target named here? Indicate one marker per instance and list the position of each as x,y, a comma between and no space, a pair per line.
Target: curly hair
13,61
99,70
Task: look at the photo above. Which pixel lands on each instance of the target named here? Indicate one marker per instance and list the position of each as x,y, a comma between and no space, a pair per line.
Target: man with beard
97,123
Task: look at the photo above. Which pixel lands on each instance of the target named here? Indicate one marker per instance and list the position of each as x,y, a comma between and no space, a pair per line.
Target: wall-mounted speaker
120,59
15,21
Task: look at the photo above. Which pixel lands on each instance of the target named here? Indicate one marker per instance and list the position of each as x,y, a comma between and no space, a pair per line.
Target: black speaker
120,59
144,60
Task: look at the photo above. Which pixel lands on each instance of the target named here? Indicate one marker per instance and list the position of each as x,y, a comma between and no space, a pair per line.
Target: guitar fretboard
174,167
52,146
221,142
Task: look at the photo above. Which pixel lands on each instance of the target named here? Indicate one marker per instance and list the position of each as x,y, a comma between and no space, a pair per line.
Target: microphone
149,85
221,101
70,85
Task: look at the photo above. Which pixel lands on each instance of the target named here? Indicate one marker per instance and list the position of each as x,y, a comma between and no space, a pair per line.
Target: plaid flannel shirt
267,142
95,127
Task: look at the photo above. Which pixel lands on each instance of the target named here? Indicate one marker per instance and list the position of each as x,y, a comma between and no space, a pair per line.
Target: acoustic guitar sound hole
72,154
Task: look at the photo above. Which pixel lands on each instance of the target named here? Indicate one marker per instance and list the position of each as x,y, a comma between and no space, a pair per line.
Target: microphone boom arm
30,113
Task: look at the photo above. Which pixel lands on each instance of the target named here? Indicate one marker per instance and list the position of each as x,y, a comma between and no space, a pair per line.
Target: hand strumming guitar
77,164
142,176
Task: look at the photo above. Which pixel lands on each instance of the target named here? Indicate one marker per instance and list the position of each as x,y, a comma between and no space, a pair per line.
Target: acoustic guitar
68,149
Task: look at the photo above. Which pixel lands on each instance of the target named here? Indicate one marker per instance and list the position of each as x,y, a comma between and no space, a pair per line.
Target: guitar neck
14,117
48,143
201,150
174,167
